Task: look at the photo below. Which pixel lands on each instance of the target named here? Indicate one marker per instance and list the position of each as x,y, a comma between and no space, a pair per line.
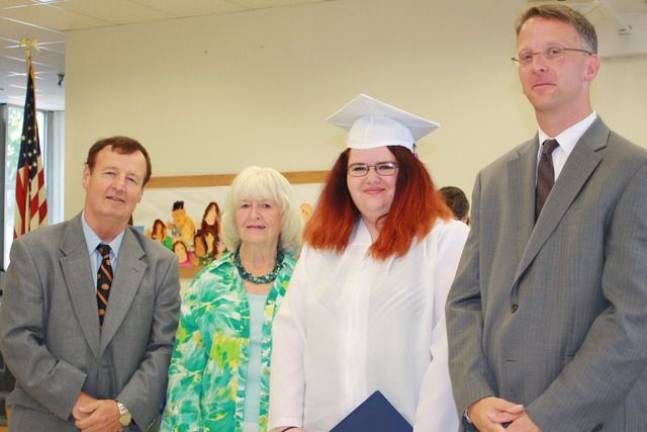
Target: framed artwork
183,212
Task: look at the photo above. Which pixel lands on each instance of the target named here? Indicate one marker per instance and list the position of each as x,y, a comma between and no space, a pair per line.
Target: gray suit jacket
553,314
50,336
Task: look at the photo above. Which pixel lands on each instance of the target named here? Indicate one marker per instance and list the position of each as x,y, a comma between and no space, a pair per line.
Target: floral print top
208,370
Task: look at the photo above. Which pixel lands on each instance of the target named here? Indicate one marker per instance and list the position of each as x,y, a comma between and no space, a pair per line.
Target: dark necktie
104,281
545,175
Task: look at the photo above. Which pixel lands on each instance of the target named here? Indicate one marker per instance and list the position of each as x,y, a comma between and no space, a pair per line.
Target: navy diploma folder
375,414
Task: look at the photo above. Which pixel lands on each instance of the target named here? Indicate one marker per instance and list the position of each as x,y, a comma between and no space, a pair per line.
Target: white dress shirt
567,140
350,325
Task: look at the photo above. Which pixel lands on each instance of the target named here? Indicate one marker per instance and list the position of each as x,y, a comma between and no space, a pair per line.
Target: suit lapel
522,192
79,280
579,166
127,279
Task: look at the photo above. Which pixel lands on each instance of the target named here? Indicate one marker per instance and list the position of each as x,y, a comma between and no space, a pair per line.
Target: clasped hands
490,414
96,415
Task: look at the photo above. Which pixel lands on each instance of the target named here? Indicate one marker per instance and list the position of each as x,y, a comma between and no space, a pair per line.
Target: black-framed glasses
552,53
381,168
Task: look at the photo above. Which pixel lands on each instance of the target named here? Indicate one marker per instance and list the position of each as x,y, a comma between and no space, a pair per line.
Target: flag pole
31,198
29,44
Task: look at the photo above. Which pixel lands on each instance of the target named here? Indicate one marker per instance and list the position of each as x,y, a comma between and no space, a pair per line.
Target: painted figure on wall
306,211
210,226
200,249
183,227
211,217
184,257
159,233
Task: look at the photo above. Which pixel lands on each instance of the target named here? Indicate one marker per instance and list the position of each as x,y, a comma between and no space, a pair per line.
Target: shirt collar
92,240
361,236
570,136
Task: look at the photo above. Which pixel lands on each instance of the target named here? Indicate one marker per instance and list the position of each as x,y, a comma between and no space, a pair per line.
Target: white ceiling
48,20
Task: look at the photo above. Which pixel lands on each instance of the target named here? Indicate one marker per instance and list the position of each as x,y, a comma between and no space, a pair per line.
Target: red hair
415,208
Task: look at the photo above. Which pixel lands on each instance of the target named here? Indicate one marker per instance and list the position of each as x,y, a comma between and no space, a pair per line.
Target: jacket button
514,307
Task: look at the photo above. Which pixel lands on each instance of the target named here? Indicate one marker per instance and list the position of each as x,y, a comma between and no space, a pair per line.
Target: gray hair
266,184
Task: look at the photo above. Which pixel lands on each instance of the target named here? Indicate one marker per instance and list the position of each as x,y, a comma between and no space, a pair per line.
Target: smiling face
179,248
372,194
258,221
561,85
113,188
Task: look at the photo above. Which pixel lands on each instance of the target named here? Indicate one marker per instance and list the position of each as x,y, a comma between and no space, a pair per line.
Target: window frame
51,128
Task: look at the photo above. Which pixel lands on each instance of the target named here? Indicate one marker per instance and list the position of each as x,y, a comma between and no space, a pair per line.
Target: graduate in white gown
365,307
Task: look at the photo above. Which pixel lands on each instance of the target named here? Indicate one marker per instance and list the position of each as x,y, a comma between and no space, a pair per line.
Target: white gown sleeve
436,411
287,378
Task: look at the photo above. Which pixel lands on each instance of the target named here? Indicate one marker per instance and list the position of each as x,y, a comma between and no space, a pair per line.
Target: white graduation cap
372,123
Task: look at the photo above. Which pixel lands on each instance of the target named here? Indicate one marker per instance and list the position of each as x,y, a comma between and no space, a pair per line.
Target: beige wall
215,94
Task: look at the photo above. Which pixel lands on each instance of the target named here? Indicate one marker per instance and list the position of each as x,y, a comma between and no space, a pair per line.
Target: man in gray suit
547,316
87,330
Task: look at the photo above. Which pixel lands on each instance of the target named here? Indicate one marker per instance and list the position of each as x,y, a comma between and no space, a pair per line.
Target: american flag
31,198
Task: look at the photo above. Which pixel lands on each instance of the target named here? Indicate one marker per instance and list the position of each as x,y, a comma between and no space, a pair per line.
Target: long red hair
416,206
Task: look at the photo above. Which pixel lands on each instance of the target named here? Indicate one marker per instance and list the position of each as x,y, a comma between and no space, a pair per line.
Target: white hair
264,184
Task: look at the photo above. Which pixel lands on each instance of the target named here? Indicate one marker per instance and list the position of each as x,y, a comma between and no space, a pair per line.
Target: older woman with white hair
220,368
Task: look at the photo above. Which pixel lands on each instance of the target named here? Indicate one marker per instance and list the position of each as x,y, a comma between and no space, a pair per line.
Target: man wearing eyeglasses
546,316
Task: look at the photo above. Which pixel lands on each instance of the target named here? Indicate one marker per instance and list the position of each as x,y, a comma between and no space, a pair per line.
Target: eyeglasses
381,168
553,53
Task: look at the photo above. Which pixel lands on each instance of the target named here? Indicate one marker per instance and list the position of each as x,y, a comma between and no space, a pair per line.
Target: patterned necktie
104,281
545,175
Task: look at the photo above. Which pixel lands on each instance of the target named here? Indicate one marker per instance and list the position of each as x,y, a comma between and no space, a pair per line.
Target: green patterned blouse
208,370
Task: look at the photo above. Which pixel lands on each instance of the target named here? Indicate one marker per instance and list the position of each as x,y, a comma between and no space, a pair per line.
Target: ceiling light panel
15,30
54,17
14,3
116,11
184,8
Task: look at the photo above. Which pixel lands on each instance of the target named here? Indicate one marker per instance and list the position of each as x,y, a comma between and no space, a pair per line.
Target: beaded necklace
259,280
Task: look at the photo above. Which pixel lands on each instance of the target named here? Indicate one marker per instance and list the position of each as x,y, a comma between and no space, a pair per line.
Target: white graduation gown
350,325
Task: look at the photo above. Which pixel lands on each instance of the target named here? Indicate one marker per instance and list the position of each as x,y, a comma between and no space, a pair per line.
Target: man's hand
83,401
523,424
100,416
490,413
